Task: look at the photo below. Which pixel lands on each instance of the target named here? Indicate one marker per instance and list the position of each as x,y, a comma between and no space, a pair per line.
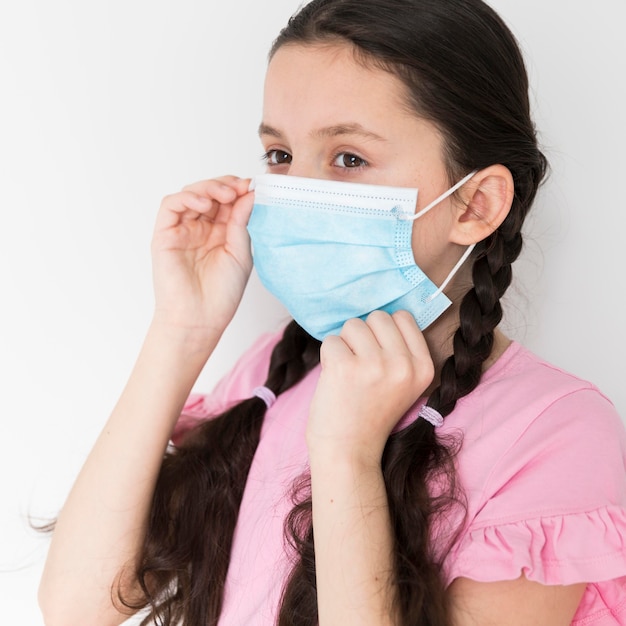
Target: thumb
242,209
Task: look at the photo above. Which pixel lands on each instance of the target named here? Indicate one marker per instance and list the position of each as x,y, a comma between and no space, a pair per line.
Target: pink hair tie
266,394
431,415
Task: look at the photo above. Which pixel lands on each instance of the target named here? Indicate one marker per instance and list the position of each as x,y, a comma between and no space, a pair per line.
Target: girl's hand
371,375
201,255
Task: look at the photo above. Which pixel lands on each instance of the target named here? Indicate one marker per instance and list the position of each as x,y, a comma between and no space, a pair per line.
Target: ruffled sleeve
552,504
553,550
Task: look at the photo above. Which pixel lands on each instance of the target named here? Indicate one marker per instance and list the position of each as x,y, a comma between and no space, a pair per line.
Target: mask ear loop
450,276
434,203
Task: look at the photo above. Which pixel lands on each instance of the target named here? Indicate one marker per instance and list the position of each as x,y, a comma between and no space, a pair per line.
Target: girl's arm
102,522
518,602
370,376
353,542
201,263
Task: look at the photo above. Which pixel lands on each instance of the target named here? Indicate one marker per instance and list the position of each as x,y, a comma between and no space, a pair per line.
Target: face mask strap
441,198
425,210
450,276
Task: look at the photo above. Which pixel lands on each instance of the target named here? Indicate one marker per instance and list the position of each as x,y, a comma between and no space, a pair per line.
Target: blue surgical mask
331,251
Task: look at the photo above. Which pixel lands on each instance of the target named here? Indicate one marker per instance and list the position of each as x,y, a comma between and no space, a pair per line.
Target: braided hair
183,561
464,72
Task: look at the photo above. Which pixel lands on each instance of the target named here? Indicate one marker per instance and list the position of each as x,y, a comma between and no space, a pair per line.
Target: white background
106,107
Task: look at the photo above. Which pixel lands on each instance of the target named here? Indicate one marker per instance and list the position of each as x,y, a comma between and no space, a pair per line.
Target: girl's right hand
201,256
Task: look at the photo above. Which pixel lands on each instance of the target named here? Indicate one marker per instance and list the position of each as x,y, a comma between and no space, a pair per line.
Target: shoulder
533,383
524,406
251,368
534,425
543,466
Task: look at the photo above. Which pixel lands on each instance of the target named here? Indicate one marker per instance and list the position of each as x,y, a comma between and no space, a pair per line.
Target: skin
371,373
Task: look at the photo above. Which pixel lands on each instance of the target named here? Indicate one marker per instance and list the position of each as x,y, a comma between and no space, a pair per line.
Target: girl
416,467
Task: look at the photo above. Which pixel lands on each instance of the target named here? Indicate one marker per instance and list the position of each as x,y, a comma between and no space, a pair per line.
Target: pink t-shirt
543,468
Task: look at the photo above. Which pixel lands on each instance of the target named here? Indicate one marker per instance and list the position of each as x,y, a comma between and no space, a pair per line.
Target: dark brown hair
463,72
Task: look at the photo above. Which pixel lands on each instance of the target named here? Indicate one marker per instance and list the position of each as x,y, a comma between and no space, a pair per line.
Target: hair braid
480,313
184,559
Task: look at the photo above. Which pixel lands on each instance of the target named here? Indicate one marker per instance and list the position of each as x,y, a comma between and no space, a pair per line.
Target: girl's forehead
335,63
328,83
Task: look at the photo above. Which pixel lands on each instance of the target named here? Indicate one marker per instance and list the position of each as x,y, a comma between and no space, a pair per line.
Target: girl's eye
345,159
277,157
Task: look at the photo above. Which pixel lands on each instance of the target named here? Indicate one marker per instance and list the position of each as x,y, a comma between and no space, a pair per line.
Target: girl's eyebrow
328,131
264,129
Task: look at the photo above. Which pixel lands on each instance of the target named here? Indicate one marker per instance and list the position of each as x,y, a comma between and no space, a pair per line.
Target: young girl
416,466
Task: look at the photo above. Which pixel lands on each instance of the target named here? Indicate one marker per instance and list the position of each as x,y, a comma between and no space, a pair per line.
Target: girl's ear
486,201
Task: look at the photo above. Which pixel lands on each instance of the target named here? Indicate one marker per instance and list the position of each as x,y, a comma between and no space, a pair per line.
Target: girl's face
327,116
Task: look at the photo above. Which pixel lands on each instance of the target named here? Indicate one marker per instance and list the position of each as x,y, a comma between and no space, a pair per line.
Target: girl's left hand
372,373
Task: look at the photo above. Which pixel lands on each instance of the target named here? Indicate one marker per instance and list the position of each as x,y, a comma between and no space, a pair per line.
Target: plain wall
106,107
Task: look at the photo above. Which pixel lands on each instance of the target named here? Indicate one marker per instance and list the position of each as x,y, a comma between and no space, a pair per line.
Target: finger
215,189
188,201
226,208
209,187
202,198
242,209
386,332
236,213
334,350
184,205
225,180
411,333
242,185
358,336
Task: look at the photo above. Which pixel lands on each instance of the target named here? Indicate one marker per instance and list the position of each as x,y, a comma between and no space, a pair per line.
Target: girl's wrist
332,456
197,341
